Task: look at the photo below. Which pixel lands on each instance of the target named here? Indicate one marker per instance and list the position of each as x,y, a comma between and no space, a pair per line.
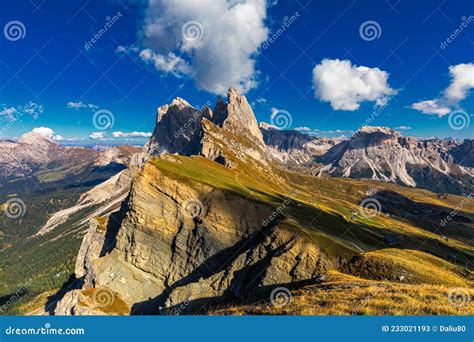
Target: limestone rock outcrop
382,154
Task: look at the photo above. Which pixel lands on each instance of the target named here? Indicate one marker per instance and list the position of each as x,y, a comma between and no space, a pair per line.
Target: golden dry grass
414,266
341,294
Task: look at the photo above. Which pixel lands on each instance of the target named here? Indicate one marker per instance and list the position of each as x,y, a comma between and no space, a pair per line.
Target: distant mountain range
220,215
35,154
382,154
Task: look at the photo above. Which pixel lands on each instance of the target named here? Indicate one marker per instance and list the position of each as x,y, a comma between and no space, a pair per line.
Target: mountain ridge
231,223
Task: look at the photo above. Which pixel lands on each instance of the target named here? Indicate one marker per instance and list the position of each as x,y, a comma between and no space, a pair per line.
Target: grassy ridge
383,279
341,294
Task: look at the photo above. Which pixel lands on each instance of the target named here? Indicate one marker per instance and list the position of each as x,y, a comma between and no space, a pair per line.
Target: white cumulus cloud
214,42
119,134
169,63
97,136
436,107
47,133
346,86
462,81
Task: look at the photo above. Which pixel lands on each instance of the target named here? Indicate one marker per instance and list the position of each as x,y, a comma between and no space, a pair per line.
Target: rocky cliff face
382,154
178,129
236,116
463,154
182,241
185,130
185,242
216,227
293,147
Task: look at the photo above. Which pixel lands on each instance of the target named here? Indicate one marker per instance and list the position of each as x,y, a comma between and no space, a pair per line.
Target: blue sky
141,62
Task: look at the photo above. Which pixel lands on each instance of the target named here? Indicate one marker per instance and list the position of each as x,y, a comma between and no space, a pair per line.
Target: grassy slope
342,294
322,210
318,205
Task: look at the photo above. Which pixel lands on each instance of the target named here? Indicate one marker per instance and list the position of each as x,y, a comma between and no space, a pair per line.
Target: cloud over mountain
47,133
98,136
346,86
213,42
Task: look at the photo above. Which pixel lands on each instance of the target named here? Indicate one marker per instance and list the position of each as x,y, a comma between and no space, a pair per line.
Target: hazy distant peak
374,129
33,138
266,125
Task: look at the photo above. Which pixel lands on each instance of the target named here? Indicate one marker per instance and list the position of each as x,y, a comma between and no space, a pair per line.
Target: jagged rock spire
237,116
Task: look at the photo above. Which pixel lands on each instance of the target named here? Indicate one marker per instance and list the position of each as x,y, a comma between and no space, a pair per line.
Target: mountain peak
375,129
237,116
181,103
33,138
